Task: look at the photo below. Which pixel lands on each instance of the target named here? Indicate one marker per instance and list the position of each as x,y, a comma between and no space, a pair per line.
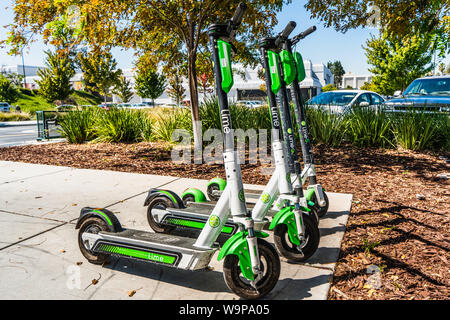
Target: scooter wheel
306,249
210,191
159,203
92,225
188,198
270,265
321,211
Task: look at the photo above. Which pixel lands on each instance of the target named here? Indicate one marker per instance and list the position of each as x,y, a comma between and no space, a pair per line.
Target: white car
251,104
4,107
342,101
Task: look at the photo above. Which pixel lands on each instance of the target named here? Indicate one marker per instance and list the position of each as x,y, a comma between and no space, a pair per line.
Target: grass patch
13,116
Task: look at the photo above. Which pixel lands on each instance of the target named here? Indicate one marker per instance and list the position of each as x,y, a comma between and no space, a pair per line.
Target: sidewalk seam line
40,175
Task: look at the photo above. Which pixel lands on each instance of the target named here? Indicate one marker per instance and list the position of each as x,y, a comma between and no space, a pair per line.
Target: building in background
355,81
247,83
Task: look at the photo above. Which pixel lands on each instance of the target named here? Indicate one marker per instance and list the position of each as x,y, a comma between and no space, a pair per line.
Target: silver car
342,101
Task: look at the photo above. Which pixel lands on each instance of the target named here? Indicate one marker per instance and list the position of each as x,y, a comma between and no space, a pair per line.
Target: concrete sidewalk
40,258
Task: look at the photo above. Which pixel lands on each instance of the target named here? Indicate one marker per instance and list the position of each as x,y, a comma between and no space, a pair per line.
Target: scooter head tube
298,59
274,71
288,65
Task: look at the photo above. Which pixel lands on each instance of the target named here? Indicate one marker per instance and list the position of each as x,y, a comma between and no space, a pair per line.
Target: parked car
430,94
251,104
107,106
4,107
124,105
342,101
140,106
66,107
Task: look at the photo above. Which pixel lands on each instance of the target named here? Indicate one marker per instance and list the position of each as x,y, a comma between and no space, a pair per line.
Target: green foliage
369,87
14,116
396,63
366,128
15,78
176,90
99,72
149,84
123,89
8,92
167,122
77,126
396,16
326,127
337,70
54,83
415,130
121,125
328,87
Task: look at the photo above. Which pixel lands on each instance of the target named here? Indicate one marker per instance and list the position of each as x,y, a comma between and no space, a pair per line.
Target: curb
17,123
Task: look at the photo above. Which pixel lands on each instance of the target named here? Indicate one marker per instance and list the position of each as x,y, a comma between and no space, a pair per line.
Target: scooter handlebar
238,14
305,33
286,32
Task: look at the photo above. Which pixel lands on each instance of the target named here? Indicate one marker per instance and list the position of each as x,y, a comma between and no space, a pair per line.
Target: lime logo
289,131
265,198
241,195
303,123
155,257
214,221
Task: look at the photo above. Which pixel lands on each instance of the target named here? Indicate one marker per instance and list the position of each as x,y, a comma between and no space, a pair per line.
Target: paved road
17,135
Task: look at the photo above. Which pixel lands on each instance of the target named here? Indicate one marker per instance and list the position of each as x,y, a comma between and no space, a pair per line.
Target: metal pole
23,69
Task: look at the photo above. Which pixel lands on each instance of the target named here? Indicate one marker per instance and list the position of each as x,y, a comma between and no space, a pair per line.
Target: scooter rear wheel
188,198
306,249
321,211
159,203
270,265
92,225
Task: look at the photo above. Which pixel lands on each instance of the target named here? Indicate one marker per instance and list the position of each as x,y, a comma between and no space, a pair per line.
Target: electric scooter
293,61
296,232
293,72
251,267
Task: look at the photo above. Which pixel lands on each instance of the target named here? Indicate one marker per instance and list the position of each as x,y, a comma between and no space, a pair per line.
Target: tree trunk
192,76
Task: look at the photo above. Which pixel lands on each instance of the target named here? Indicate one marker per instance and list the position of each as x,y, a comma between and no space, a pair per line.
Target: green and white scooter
251,267
296,232
293,72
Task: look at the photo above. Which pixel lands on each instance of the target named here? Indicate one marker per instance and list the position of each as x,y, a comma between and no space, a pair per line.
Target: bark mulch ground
395,245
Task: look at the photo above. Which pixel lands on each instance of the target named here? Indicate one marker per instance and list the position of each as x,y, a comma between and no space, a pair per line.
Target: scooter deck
171,250
249,193
200,207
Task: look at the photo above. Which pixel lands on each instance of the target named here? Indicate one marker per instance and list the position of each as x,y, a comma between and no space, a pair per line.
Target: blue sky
324,45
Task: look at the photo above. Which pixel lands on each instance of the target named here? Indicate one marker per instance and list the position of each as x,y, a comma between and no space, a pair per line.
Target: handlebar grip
286,32
288,29
307,32
238,14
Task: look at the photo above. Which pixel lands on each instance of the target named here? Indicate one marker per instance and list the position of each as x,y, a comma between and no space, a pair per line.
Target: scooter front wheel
159,203
292,251
270,266
92,225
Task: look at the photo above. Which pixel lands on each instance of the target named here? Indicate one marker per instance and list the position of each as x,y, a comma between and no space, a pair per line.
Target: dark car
429,94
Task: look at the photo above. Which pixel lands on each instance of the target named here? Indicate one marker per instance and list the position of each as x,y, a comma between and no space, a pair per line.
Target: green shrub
167,122
26,91
13,116
417,130
326,127
120,125
78,126
367,128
